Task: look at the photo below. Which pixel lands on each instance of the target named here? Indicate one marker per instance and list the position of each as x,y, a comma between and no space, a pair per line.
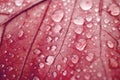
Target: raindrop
10,68
89,57
113,63
89,25
37,51
86,4
99,74
58,67
10,41
41,65
9,36
74,59
80,45
57,15
53,48
49,39
79,30
57,28
20,33
65,59
89,18
78,20
64,73
54,74
19,2
110,44
88,35
115,10
49,60
106,21
36,78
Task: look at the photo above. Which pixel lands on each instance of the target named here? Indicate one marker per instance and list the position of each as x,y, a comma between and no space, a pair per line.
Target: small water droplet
20,33
37,51
49,39
58,15
19,2
88,35
80,45
78,20
79,30
10,41
10,68
57,28
99,74
89,18
113,63
49,60
53,48
41,65
64,73
106,21
58,67
9,36
10,10
89,25
114,9
73,78
89,57
110,44
65,59
54,74
36,78
86,4
75,59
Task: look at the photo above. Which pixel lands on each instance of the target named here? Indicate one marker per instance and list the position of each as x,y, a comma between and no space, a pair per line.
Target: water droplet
20,33
75,59
50,60
88,35
80,45
64,73
79,30
115,10
89,57
58,15
89,18
10,10
54,74
65,59
99,74
10,41
53,48
86,4
106,21
19,2
9,36
110,44
10,68
89,25
73,78
37,51
49,39
36,78
57,28
58,67
41,65
113,63
78,20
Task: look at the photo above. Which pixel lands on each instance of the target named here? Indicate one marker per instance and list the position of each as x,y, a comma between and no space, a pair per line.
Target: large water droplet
57,28
37,51
79,30
110,44
41,65
58,15
80,45
89,57
113,63
75,59
114,9
19,2
86,4
49,60
78,20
